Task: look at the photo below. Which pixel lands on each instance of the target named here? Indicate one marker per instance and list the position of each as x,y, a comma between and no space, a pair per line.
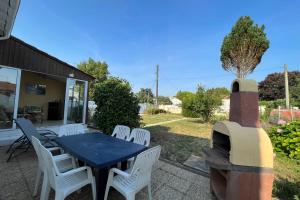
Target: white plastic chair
64,183
131,181
140,136
121,132
71,129
64,162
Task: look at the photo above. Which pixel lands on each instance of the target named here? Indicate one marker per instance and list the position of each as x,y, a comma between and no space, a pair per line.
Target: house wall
55,91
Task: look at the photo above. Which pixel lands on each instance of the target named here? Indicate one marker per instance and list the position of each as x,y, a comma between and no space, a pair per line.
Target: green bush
116,104
202,104
188,103
154,111
286,139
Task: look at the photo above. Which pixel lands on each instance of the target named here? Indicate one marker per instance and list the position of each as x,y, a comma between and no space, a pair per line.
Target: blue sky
184,37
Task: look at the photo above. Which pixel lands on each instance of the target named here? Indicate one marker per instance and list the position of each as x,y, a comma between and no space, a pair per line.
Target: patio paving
168,182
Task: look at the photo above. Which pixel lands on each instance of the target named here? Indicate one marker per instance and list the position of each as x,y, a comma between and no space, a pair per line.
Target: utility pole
286,79
157,71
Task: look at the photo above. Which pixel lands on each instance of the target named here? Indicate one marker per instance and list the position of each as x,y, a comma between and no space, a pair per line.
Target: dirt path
166,122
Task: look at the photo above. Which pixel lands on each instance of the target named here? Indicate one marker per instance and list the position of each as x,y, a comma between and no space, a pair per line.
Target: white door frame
16,101
67,100
16,106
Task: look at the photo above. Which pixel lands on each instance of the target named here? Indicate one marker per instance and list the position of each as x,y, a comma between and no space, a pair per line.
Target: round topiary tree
243,47
116,104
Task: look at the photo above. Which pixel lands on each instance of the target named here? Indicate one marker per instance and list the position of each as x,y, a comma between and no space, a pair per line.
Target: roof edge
49,56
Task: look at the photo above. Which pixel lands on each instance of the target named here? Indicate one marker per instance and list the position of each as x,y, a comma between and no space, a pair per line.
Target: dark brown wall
16,53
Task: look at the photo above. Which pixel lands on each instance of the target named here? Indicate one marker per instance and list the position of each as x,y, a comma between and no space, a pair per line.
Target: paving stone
197,163
178,183
198,192
166,192
141,196
9,191
159,178
200,180
19,196
170,168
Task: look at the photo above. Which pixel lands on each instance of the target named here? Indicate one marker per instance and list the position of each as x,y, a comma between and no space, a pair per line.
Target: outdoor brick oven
240,156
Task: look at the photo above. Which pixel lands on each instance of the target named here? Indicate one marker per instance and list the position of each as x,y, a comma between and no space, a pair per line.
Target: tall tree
272,88
243,47
145,95
97,69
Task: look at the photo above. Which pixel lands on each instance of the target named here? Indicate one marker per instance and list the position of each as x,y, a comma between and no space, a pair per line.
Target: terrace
168,181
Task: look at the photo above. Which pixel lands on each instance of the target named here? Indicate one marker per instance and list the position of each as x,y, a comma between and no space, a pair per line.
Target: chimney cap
244,85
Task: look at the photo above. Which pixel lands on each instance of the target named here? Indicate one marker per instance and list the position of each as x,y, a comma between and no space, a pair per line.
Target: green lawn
182,138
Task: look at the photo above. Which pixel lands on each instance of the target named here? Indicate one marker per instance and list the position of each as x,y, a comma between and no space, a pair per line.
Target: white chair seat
73,182
127,185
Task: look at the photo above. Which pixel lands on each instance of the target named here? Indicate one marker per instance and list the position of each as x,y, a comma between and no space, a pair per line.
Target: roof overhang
8,12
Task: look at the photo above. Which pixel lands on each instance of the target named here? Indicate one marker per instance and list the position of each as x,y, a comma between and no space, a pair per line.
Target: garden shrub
116,104
154,111
202,104
188,104
286,139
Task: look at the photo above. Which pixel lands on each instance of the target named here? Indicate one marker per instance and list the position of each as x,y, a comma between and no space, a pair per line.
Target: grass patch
162,117
287,178
180,139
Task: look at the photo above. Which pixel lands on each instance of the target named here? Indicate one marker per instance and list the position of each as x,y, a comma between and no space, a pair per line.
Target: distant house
34,83
174,108
175,101
225,107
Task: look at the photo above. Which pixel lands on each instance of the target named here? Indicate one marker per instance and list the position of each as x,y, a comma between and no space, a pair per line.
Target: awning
8,12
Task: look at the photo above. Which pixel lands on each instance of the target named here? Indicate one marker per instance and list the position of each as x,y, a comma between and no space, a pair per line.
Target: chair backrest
36,145
27,128
140,136
143,164
71,129
121,132
50,167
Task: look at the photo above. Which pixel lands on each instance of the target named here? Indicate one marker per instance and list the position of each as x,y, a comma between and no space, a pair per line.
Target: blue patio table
99,151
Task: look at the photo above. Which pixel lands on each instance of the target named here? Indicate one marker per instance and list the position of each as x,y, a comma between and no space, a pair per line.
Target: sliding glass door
9,94
75,102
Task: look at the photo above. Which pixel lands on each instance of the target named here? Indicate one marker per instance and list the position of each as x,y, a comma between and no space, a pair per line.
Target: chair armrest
119,172
62,157
54,149
74,171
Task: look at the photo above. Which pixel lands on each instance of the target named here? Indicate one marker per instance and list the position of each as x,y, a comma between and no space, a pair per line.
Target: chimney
244,103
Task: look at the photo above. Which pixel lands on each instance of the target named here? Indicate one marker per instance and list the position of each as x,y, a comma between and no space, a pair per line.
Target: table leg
124,165
101,176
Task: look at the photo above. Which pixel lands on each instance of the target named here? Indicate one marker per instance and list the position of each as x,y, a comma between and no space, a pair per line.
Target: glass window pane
8,80
75,101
